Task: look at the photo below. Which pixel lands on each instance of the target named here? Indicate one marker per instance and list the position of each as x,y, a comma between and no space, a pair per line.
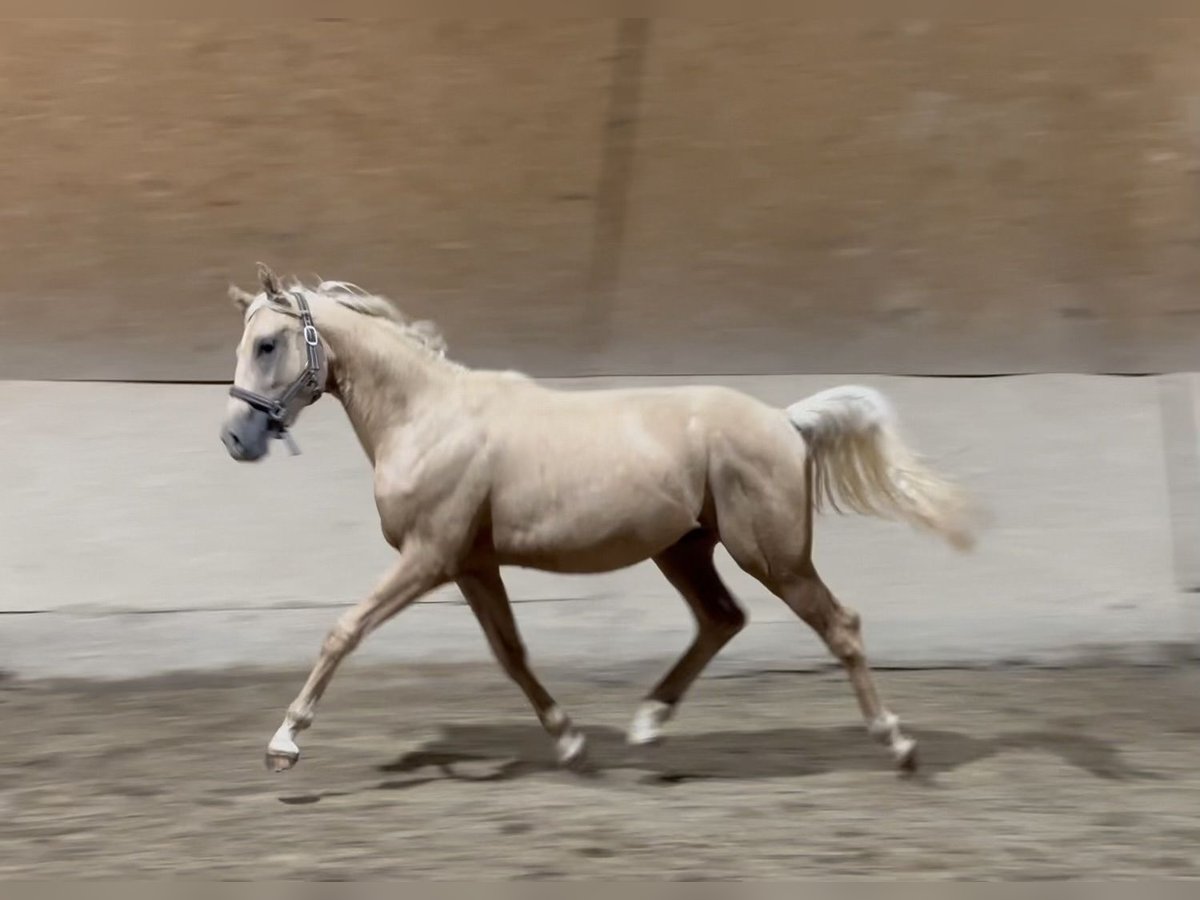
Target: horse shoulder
432,482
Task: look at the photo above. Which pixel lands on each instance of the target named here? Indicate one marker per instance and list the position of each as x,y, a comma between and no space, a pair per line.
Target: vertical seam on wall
616,176
1177,407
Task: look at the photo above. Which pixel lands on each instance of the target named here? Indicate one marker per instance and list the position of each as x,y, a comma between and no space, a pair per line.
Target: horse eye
265,346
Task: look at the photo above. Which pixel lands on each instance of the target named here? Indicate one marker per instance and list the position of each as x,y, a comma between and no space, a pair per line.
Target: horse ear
241,299
268,280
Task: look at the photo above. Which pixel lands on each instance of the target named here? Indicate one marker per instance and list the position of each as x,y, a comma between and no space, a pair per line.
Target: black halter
301,392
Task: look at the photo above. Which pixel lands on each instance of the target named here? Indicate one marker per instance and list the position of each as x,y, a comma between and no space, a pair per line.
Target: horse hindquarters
851,453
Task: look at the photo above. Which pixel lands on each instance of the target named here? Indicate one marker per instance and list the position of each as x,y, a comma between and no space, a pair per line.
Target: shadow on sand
508,751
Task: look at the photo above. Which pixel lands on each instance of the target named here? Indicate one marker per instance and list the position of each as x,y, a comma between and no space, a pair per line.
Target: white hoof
282,748
572,748
905,752
648,721
284,742
281,762
886,730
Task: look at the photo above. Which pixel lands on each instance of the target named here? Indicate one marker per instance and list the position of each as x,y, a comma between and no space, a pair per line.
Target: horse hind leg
841,630
688,565
485,594
773,543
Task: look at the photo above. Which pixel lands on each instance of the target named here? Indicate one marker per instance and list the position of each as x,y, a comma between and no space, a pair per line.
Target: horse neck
379,377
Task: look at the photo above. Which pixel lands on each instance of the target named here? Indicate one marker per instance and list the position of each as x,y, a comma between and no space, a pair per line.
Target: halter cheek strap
301,392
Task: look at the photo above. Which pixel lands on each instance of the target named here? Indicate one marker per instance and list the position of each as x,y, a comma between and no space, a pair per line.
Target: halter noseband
307,382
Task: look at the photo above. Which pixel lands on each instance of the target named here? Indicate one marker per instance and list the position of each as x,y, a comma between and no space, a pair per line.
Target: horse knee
342,638
845,638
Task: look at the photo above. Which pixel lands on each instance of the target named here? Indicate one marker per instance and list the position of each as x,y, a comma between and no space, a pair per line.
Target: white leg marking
886,730
284,742
884,727
569,742
570,746
646,727
902,749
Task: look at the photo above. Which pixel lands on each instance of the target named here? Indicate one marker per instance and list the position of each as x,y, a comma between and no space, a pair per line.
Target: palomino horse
474,470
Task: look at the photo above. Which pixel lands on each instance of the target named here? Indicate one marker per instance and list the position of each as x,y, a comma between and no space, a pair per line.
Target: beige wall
587,196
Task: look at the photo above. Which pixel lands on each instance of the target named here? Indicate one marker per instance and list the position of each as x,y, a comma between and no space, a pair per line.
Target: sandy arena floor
445,774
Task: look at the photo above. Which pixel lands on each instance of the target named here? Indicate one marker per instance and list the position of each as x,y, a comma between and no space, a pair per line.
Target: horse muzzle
246,441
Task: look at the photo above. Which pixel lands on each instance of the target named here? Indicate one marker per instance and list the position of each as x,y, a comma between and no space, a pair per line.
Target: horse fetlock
885,728
555,721
299,717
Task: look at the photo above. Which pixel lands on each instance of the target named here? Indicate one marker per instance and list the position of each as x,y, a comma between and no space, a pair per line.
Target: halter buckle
310,335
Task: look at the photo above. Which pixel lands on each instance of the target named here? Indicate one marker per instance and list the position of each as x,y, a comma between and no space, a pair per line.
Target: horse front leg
414,574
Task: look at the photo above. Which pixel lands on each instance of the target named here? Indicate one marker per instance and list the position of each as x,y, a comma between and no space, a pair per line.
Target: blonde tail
861,462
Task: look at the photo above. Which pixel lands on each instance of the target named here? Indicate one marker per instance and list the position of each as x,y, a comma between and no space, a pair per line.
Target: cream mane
352,297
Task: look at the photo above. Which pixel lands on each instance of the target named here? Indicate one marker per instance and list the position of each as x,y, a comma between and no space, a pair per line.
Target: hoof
906,757
572,751
578,764
644,740
281,762
646,729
